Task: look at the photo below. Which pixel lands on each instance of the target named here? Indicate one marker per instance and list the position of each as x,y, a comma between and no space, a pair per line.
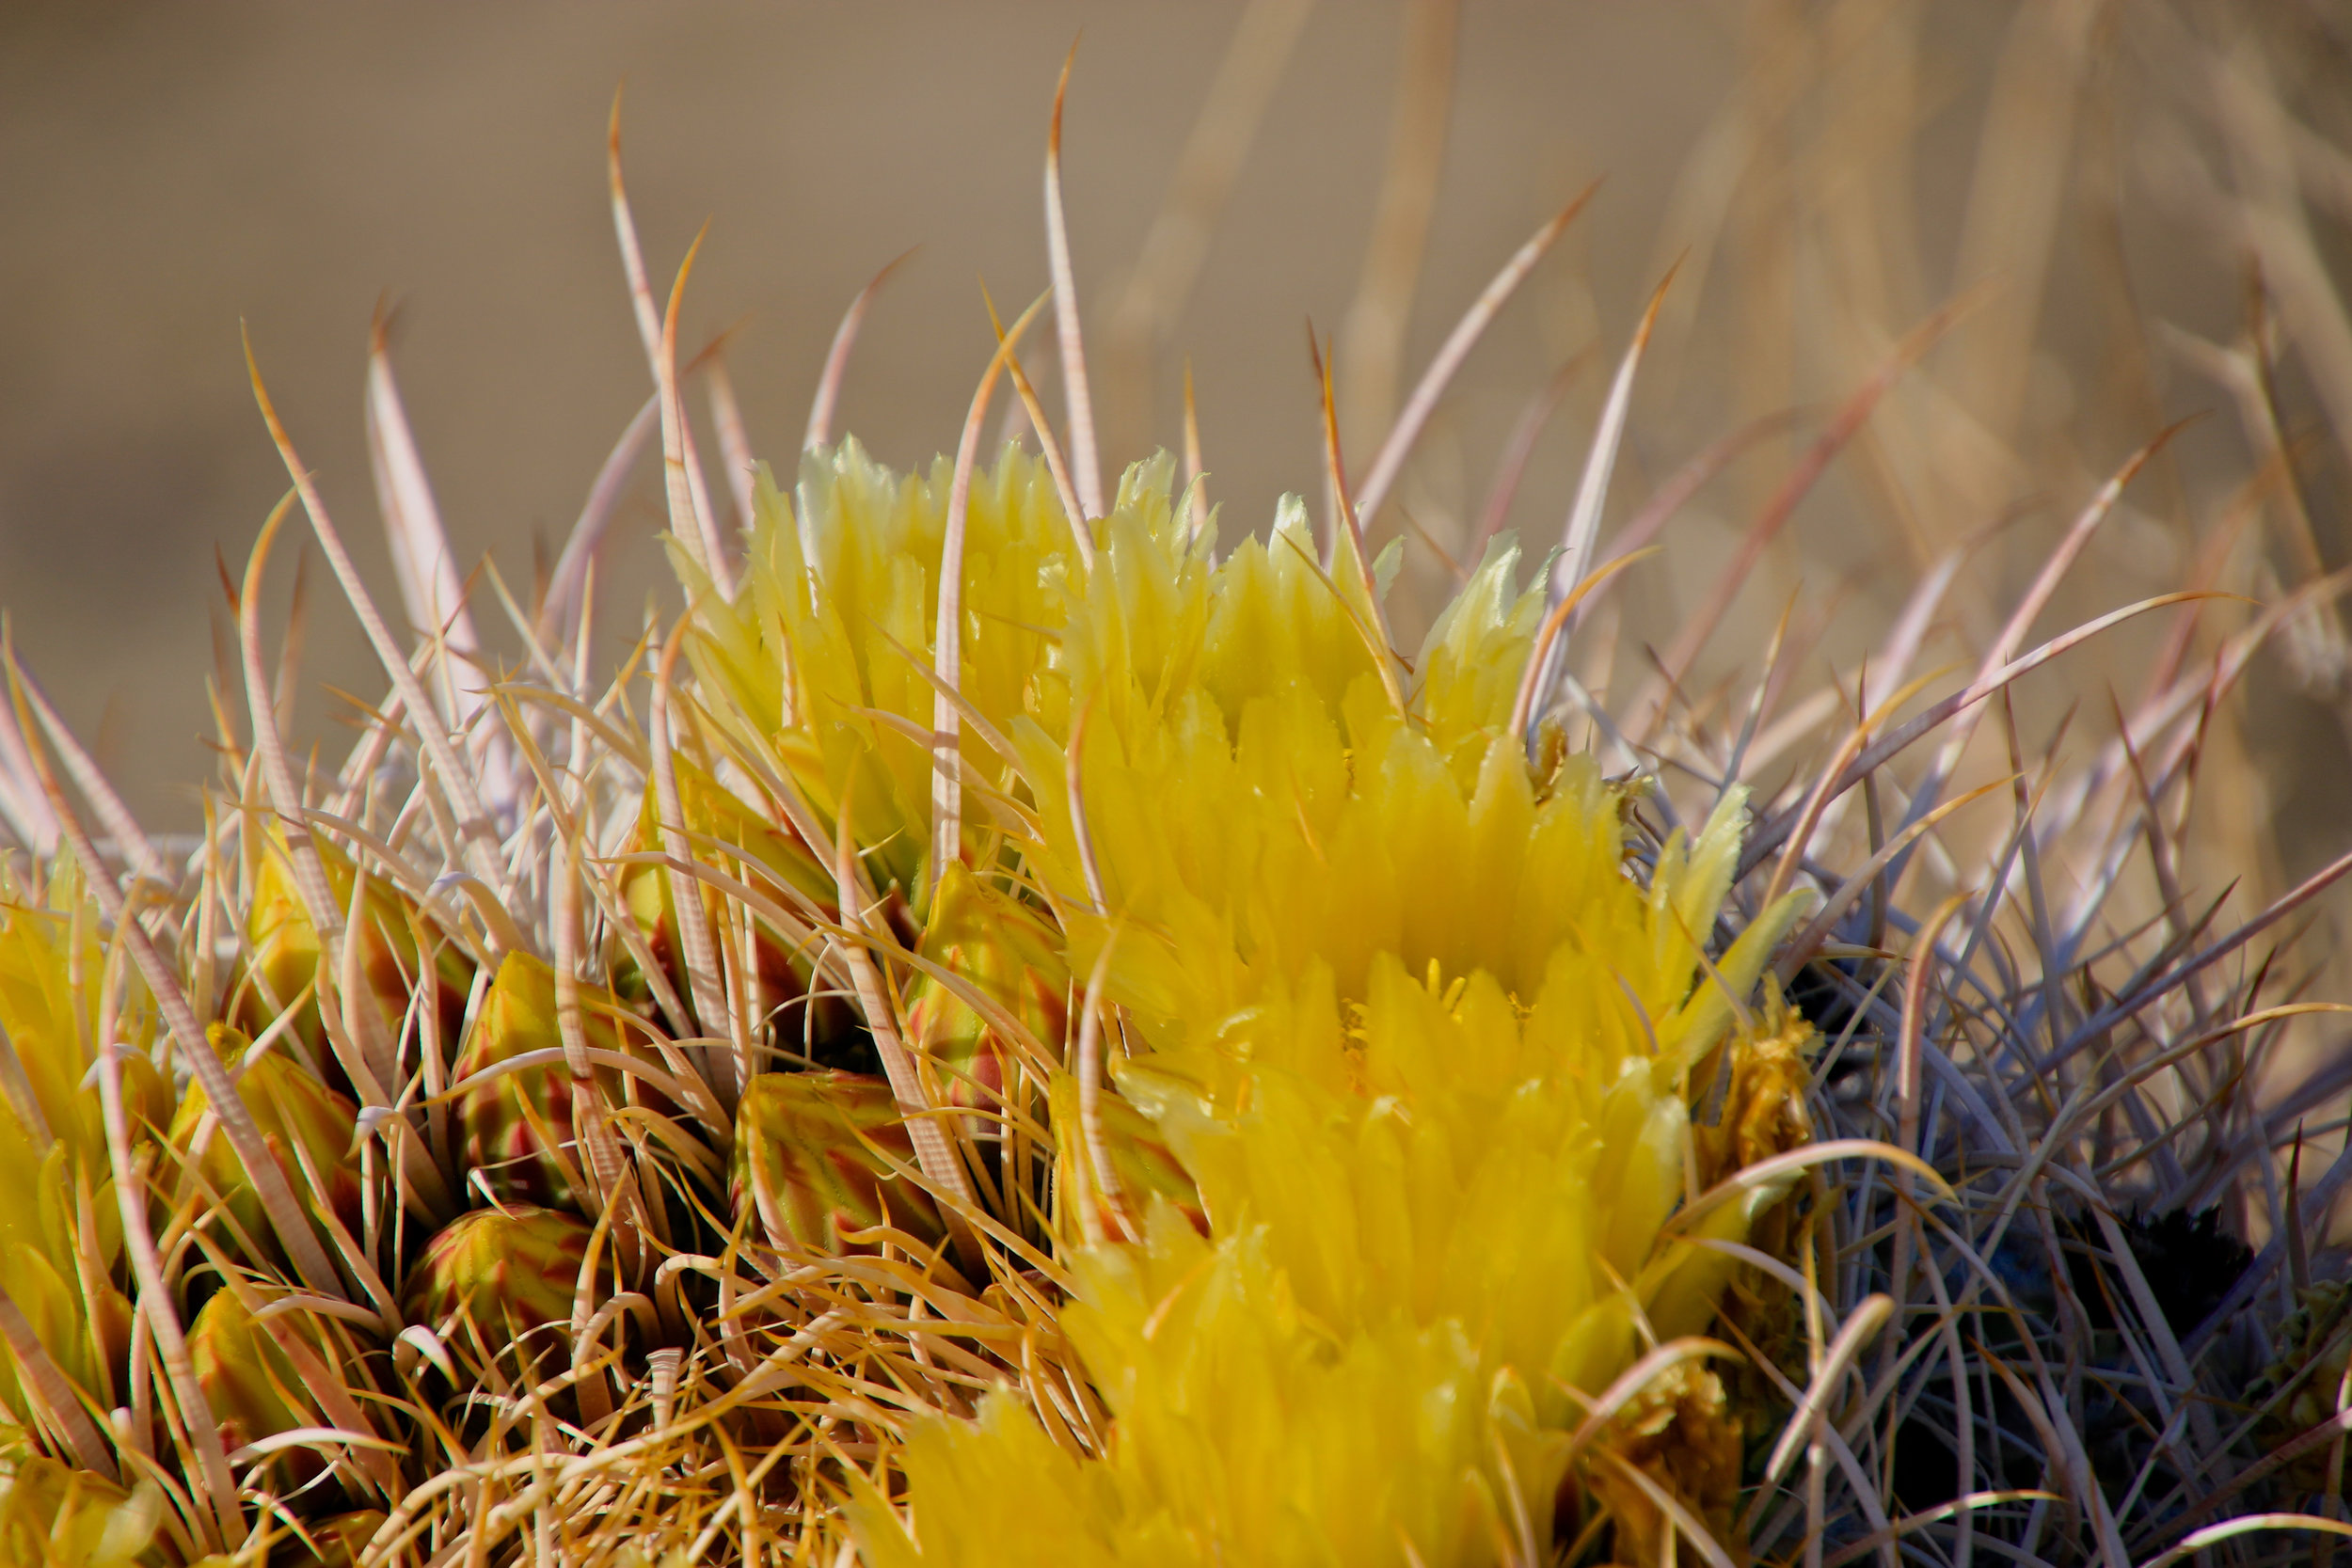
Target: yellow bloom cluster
1264,1036
1424,1045
60,1231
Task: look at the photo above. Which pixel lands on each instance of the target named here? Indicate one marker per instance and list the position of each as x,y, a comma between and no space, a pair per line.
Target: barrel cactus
1021,1024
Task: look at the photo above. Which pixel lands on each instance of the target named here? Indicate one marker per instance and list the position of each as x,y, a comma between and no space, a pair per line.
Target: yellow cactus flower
80,1319
822,654
50,958
1411,1039
1009,1032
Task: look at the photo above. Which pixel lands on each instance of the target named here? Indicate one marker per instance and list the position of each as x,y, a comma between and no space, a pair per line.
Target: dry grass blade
1582,527
2029,608
2213,1535
56,1404
318,896
218,1486
1102,1175
940,1163
2275,223
652,331
2161,985
1372,331
1168,260
735,442
124,832
1523,708
368,1057
20,800
705,983
1510,468
1765,1173
625,230
1073,790
1817,802
1671,497
1196,489
1861,1326
1372,615
1834,906
1775,832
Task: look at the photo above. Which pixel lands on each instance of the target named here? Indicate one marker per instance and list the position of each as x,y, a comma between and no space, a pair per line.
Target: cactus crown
1008,1033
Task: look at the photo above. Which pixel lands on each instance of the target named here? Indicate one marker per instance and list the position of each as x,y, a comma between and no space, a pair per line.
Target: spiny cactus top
1010,1029
1193,1018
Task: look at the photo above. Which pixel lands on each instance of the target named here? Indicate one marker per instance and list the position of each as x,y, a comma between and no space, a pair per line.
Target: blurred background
2147,199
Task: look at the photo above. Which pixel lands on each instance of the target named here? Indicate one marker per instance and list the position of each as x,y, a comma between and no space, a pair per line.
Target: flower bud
1009,954
817,1026
340,1540
253,1387
510,1270
286,952
1140,1160
821,1155
89,1342
58,1517
518,1125
294,1111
